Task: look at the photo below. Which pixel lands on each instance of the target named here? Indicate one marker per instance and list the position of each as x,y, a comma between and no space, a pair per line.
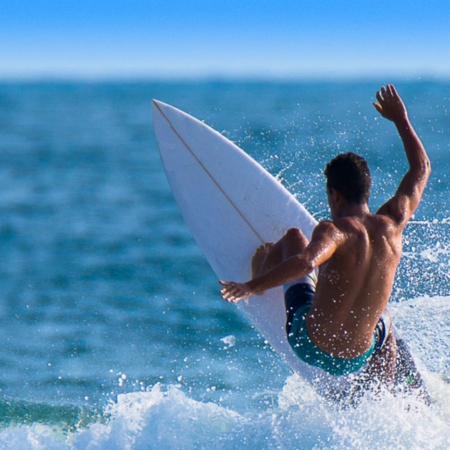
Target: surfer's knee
295,237
295,233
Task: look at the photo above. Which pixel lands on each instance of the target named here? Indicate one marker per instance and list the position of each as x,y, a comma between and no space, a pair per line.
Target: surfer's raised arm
406,200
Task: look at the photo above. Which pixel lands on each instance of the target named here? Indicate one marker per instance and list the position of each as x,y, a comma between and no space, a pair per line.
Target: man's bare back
357,252
355,284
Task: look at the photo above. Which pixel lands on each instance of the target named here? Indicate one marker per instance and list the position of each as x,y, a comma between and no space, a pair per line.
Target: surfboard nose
156,104
164,109
161,105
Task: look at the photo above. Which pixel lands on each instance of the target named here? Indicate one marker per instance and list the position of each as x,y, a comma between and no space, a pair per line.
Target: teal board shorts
298,300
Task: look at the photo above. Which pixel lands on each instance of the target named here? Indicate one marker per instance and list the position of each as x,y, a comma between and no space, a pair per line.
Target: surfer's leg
298,293
259,258
407,377
269,255
382,366
293,242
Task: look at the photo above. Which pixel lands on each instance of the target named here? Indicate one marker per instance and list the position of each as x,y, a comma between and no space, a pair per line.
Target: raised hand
390,105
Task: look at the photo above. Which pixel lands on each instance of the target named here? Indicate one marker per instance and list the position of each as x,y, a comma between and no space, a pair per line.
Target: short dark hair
349,174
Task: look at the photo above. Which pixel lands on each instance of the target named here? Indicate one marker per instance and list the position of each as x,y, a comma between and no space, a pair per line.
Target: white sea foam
230,341
165,417
424,322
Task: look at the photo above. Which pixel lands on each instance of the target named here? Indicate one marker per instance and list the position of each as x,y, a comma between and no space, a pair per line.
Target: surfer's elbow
302,266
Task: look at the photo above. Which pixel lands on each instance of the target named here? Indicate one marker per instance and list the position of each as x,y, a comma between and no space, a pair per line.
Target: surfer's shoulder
326,227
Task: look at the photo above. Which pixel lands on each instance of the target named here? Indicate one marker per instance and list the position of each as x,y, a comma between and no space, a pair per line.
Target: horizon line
220,78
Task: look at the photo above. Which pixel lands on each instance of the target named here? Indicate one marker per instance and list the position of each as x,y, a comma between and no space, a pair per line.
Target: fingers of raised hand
386,93
383,94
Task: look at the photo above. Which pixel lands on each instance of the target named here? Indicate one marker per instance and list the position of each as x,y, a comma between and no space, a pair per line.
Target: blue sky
224,38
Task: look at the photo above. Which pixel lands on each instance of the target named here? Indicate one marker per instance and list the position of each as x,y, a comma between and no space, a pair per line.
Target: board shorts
298,297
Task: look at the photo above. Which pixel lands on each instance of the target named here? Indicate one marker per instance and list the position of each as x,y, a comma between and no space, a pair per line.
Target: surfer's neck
350,210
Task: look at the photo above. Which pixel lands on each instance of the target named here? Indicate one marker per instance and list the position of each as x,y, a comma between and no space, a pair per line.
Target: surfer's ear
334,194
336,198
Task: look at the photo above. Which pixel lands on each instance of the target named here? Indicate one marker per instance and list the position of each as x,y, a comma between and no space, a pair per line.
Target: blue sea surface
113,334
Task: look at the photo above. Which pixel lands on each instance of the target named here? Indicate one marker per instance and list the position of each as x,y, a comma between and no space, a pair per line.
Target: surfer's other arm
276,270
406,200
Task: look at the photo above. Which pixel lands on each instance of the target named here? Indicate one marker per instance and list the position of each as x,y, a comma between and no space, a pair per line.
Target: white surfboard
232,205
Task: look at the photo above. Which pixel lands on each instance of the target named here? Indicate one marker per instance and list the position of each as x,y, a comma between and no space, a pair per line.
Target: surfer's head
348,173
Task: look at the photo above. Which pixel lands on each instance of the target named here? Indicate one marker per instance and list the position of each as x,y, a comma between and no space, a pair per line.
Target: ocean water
113,333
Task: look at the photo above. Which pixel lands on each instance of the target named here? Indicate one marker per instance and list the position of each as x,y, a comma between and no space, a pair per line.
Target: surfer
338,320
